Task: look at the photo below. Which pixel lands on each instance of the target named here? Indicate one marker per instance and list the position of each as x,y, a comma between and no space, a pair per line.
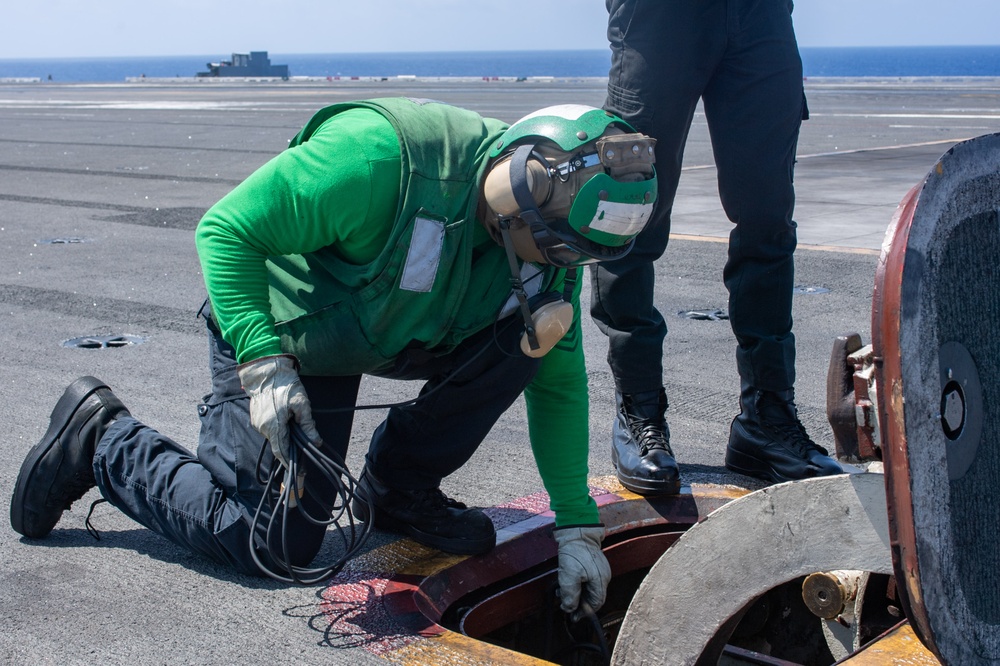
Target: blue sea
927,61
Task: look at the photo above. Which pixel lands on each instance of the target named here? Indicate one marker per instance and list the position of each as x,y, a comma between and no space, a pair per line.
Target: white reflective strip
531,278
424,255
621,219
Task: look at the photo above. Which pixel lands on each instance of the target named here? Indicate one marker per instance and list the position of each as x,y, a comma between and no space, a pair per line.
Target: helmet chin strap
518,285
550,322
529,212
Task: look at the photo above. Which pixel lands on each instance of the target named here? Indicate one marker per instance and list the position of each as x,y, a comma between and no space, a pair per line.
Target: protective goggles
565,250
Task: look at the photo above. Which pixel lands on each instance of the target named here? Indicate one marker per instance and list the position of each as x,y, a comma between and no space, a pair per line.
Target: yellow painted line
836,248
454,648
694,237
801,246
899,646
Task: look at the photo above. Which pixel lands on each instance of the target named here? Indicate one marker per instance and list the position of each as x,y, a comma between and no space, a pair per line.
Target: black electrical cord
288,484
572,628
597,631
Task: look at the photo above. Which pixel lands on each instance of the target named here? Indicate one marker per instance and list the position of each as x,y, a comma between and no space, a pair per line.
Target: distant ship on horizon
254,63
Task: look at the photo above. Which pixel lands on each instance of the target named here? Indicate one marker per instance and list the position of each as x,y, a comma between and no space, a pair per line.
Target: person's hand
583,569
276,398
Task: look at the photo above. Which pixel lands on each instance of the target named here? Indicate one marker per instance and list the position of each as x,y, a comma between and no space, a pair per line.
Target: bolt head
953,413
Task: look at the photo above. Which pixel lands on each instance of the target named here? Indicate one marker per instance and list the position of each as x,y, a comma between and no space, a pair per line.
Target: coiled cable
288,486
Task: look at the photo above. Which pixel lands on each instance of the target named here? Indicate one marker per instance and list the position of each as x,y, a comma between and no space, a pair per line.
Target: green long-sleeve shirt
333,200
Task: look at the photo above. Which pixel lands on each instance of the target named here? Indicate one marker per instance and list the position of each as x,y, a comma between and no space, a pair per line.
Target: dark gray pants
741,59
206,502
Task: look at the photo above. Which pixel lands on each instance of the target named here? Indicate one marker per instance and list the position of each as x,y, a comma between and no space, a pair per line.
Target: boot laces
650,434
790,431
91,530
433,500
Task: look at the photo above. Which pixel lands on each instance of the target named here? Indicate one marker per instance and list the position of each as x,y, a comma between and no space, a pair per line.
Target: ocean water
922,61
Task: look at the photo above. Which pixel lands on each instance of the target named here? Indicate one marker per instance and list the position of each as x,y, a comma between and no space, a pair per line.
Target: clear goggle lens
563,252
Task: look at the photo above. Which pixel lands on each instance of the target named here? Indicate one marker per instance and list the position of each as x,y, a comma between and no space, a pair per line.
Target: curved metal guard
746,548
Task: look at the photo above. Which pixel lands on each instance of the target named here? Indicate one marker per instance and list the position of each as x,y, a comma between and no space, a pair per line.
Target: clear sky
74,28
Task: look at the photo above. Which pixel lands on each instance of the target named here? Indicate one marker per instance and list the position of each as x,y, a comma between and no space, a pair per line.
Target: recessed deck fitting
103,341
66,240
705,315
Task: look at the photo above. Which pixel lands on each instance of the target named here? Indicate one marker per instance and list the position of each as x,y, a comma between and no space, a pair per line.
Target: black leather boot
768,441
60,469
640,445
426,516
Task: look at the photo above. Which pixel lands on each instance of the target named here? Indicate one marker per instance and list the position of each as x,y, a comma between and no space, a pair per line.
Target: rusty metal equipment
935,309
851,400
932,370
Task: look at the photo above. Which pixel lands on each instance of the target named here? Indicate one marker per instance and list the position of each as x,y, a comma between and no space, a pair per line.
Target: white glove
581,563
276,398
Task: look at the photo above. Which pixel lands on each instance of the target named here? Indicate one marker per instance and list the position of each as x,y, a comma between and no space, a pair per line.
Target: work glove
583,569
277,397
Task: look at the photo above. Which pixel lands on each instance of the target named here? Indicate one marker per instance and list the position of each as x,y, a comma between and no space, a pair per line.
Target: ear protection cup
552,317
499,192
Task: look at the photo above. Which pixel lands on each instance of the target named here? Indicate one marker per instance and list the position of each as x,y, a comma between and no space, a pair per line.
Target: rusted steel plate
935,315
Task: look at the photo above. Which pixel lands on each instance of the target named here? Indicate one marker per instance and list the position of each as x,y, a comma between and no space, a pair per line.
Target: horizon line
454,51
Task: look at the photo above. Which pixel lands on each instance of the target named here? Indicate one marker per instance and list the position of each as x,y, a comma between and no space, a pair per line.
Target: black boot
768,441
640,445
426,516
59,469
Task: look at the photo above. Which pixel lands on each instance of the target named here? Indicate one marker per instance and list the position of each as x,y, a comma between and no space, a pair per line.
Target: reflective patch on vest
424,255
621,219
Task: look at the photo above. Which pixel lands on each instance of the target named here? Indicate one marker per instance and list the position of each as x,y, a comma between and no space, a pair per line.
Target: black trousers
206,502
740,58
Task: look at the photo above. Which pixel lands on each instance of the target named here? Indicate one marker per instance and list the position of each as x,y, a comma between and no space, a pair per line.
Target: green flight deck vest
429,288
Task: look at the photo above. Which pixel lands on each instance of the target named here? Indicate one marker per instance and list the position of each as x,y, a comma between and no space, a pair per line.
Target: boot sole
70,402
748,465
645,486
384,521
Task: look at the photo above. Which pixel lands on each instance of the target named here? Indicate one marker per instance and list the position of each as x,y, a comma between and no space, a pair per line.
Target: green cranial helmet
580,179
569,126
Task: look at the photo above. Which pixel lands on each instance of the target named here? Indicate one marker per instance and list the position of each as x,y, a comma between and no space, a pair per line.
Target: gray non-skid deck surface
120,174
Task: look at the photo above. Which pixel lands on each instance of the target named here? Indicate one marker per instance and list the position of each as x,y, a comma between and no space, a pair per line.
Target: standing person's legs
754,105
419,444
662,55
